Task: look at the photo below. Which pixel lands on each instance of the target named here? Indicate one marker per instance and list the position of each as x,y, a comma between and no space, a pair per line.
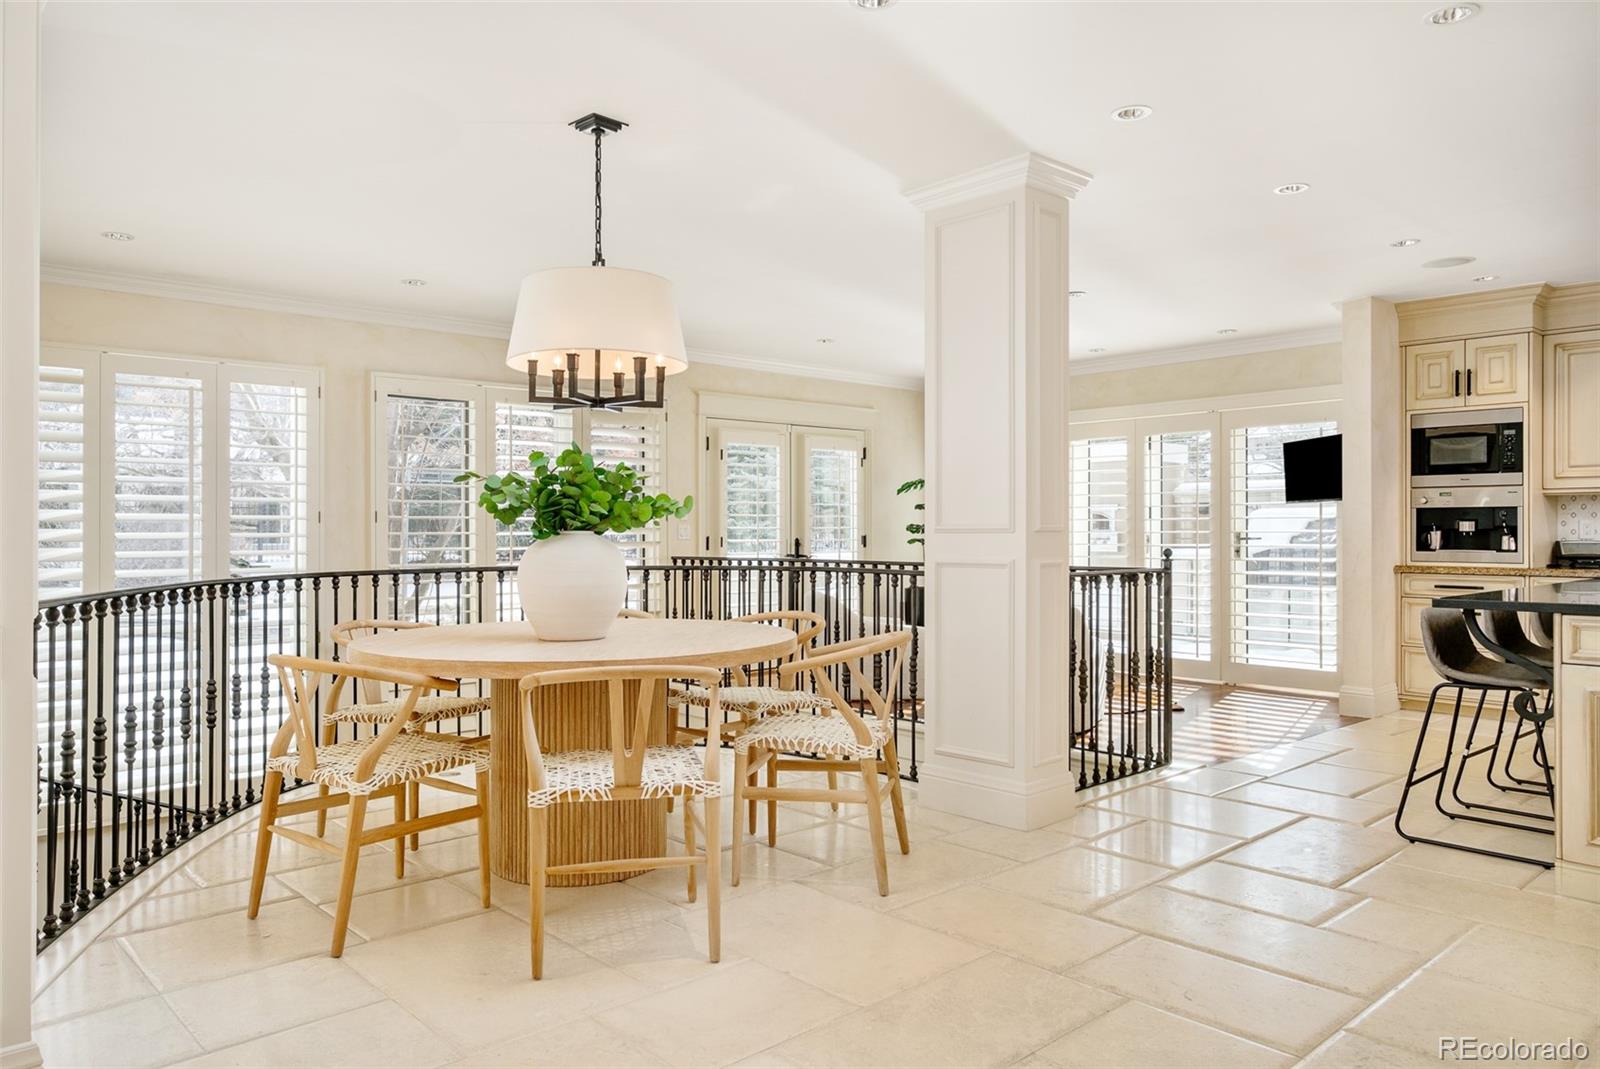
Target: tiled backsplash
1578,516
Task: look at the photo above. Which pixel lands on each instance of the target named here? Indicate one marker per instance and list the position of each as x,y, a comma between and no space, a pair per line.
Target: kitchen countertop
1536,571
1580,598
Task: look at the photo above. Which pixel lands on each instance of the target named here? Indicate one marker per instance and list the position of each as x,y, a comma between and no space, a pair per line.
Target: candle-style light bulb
661,360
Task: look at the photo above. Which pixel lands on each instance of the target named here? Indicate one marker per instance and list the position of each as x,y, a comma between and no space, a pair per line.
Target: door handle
1458,384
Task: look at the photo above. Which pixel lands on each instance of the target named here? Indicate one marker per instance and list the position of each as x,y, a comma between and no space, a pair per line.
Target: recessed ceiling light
1097,350
1405,243
1291,188
1227,330
1450,261
116,235
1133,112
1450,13
413,282
1077,293
825,341
1486,278
873,5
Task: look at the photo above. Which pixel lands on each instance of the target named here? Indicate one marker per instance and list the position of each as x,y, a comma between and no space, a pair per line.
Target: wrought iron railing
156,705
1120,660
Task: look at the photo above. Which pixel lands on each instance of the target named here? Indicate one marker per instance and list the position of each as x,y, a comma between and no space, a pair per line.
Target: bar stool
1456,658
1504,628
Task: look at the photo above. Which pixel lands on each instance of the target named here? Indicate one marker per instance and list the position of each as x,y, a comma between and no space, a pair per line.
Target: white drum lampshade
622,313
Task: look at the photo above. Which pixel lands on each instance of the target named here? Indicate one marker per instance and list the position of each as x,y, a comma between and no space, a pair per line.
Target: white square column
1371,516
995,261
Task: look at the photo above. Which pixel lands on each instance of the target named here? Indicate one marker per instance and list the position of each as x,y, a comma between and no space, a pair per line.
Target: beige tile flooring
1260,911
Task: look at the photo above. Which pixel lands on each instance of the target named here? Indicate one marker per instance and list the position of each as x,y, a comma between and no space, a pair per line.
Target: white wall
348,352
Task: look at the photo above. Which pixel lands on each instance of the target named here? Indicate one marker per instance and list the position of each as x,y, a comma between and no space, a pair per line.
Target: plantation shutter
429,519
521,429
66,559
1101,509
635,440
157,474
270,432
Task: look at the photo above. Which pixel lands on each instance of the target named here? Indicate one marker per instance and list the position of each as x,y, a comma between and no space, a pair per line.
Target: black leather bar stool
1465,668
1504,629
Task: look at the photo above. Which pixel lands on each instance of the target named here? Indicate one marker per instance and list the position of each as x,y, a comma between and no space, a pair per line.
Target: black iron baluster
158,728
190,764
52,806
98,744
235,696
214,746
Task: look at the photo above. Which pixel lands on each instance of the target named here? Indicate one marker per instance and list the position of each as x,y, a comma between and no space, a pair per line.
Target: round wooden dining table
567,717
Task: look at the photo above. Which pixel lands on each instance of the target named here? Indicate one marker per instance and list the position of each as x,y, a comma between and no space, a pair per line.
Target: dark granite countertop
1578,598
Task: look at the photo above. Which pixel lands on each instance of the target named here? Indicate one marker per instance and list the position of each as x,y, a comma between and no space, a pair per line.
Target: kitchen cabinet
1433,375
1570,413
1415,674
1577,749
1497,370
1477,372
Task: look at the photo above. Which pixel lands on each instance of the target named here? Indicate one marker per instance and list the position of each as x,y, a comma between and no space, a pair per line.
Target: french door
1254,579
781,489
1282,558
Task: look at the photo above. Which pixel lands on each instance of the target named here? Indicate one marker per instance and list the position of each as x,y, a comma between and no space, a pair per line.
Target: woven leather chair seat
828,735
428,711
590,775
411,756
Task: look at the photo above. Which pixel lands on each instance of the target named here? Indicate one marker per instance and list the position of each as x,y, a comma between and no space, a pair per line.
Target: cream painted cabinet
1433,375
1416,676
1497,370
1571,412
1577,723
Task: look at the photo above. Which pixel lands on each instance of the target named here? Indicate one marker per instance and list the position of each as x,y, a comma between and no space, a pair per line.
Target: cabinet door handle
1458,384
1455,586
1469,382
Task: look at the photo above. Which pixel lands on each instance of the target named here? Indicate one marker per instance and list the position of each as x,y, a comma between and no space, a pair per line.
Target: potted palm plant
572,581
913,605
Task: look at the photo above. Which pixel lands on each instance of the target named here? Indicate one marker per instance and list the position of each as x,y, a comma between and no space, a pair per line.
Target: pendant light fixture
575,325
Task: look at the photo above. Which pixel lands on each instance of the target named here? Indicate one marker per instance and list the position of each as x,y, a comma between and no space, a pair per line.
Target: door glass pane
752,499
1284,559
268,482
156,479
1177,492
429,516
1100,512
833,523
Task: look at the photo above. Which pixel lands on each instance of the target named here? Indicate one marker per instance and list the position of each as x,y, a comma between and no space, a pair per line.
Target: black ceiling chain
599,257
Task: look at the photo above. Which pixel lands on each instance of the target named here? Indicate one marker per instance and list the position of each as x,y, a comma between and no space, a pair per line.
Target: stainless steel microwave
1481,448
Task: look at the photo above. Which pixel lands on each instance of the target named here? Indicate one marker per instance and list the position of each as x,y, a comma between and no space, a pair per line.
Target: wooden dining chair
842,739
360,771
630,770
747,702
372,708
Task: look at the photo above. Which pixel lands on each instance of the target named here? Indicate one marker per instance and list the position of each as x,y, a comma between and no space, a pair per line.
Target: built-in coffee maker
1467,486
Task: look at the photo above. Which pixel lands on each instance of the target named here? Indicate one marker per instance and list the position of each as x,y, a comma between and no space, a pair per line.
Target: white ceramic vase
572,586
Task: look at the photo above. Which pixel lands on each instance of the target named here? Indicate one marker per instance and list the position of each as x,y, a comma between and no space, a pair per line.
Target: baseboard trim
21,1056
1023,807
1368,702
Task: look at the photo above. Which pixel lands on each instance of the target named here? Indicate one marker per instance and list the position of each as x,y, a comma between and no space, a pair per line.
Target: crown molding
212,293
1259,343
781,367
1029,170
173,289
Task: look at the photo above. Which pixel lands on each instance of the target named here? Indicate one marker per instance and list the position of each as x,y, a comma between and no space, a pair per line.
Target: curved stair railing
155,705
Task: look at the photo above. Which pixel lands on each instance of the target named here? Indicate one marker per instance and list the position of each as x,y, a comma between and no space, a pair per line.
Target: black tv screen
1313,469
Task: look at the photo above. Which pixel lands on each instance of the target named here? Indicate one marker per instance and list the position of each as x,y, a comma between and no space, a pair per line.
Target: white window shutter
65,545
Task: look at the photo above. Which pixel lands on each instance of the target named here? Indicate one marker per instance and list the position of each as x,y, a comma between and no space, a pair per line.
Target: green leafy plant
573,493
915,530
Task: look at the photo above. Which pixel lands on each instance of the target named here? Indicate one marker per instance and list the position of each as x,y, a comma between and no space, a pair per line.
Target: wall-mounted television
1313,469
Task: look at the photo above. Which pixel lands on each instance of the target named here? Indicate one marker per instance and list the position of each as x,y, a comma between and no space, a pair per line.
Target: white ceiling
328,150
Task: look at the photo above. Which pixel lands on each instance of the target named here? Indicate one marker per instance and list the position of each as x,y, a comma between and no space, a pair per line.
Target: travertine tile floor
1260,911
